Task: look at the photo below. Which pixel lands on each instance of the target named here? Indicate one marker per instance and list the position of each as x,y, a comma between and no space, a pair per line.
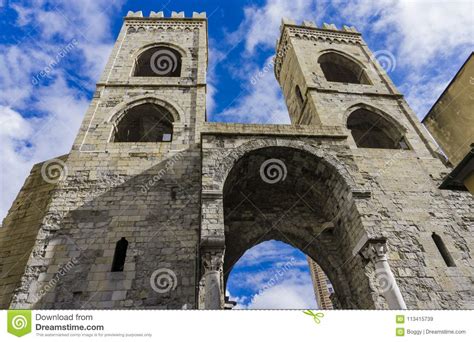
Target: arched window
145,123
448,259
337,68
371,130
158,61
120,255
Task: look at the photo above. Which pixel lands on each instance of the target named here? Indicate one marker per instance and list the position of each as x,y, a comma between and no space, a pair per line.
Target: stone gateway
154,205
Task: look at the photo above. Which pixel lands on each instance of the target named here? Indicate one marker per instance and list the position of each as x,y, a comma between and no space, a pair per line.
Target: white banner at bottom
234,325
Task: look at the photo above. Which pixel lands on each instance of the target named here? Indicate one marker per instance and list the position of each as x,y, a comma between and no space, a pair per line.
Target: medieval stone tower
153,205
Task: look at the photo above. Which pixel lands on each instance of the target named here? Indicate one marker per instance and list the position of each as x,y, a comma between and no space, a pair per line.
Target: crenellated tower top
308,30
160,15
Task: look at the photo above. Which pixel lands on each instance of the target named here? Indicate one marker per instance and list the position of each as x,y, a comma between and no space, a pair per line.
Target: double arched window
147,122
337,68
158,61
371,130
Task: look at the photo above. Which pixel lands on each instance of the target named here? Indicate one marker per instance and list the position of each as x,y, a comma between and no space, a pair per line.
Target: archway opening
145,123
275,275
292,196
371,130
337,68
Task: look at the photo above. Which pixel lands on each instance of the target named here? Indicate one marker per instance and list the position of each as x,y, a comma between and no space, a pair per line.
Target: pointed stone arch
157,60
338,66
176,47
119,111
383,113
391,128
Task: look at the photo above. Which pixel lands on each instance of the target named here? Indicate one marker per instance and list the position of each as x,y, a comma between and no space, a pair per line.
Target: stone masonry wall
406,204
145,192
58,240
20,228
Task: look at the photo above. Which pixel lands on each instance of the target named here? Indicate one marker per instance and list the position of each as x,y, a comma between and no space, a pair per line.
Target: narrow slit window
448,259
299,97
120,255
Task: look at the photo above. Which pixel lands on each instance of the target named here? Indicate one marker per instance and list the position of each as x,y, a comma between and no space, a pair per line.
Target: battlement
308,30
311,24
160,15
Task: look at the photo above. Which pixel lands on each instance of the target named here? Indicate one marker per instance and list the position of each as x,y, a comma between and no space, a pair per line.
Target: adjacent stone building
451,123
154,205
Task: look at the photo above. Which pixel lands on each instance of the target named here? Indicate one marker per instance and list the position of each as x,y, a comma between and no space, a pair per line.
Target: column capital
375,250
212,259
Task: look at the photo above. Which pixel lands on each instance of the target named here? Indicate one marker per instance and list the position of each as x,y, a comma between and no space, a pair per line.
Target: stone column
213,265
375,250
212,246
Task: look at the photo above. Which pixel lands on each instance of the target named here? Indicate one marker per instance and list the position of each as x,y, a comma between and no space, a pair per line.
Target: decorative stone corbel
375,250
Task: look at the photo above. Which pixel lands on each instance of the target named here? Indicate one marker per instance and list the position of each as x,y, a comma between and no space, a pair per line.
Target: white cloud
429,39
215,56
26,141
261,24
58,107
259,101
292,290
422,93
267,251
286,295
262,101
421,31
275,276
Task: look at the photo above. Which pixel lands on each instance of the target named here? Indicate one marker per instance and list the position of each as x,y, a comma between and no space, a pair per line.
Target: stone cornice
218,128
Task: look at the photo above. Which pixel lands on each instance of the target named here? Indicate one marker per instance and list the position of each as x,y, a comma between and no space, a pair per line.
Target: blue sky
53,51
271,275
